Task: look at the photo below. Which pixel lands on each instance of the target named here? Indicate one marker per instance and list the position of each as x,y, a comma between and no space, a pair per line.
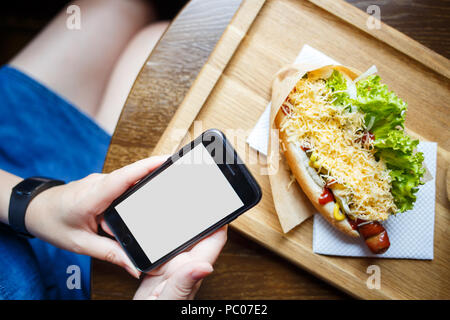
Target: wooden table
244,270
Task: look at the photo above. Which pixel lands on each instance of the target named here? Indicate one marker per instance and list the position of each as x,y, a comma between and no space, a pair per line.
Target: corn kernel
317,164
314,157
338,215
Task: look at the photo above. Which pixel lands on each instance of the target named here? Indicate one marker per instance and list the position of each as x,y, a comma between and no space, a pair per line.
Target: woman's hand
180,278
67,216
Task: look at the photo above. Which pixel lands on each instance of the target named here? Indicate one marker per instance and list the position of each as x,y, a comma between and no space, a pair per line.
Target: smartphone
195,192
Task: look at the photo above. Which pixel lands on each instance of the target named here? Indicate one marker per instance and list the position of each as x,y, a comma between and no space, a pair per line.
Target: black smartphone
195,192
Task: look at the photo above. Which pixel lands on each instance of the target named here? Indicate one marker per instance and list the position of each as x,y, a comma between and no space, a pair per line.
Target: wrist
38,210
21,197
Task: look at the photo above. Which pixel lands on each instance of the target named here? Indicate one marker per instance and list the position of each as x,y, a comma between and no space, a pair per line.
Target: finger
209,248
117,182
168,268
158,289
109,250
150,287
195,290
105,227
206,250
181,284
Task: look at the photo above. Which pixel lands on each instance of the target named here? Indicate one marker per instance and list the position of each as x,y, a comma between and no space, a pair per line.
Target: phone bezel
236,173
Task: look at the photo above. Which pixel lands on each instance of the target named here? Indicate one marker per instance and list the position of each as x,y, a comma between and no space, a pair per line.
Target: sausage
375,235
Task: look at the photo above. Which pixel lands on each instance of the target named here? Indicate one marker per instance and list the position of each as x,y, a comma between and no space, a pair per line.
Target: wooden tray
233,95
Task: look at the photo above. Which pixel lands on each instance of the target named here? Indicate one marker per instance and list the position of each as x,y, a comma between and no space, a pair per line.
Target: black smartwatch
21,196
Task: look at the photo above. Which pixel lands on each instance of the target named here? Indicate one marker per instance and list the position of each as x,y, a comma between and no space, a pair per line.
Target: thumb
117,182
181,284
106,249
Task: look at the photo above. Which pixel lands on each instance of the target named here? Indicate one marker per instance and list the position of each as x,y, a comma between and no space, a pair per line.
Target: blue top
42,134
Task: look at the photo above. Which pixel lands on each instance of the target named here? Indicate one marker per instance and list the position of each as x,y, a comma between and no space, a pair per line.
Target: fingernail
135,273
138,274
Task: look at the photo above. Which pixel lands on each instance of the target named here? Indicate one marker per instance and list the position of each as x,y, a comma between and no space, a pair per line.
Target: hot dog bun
312,180
298,163
298,160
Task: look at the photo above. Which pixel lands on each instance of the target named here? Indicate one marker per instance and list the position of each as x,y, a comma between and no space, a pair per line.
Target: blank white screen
179,203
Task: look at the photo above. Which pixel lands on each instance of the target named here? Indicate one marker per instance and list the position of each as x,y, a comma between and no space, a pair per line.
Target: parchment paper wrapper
292,205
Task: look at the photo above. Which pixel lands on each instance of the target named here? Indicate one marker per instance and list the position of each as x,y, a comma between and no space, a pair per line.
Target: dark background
426,21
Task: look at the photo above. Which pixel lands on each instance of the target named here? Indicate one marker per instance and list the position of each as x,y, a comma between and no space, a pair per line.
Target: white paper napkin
411,233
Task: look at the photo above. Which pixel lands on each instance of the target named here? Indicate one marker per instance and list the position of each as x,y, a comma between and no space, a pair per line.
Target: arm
68,216
7,182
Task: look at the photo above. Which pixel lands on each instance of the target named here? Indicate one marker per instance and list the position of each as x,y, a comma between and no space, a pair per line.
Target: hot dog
342,136
374,234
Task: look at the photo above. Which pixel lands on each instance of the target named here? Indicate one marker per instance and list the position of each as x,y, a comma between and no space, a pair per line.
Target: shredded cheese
335,133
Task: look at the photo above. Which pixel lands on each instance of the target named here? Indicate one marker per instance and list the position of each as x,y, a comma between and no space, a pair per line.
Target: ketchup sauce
326,196
286,109
368,135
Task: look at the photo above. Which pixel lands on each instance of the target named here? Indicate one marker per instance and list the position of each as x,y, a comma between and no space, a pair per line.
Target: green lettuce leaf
336,82
396,140
385,118
384,110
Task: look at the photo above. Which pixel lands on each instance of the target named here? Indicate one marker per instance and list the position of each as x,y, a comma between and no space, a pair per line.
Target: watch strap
21,196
